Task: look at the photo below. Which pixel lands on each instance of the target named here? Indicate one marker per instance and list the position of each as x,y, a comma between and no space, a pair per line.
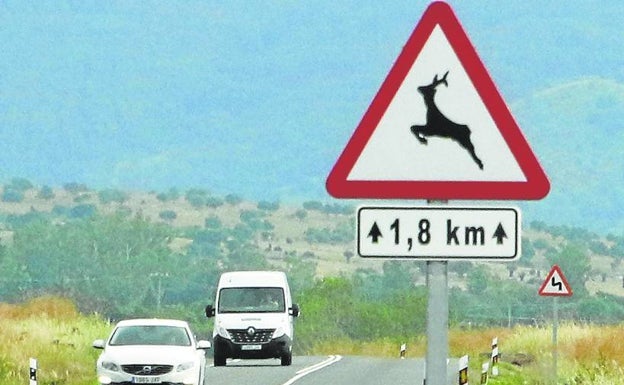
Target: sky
257,97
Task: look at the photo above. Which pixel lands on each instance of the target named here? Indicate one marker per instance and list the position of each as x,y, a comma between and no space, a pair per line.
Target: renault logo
251,331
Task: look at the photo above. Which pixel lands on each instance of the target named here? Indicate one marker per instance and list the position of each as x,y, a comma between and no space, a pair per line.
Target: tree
46,193
397,276
233,199
313,205
213,222
196,197
214,202
112,195
75,188
301,214
268,206
12,195
82,211
478,280
171,195
20,184
168,215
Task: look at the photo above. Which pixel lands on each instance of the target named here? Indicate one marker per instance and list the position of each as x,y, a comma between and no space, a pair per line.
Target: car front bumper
188,377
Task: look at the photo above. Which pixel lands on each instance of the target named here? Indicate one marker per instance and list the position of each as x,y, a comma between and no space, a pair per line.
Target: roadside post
406,147
555,285
495,357
33,371
463,370
484,373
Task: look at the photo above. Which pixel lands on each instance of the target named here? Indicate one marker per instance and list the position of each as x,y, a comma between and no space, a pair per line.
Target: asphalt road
317,370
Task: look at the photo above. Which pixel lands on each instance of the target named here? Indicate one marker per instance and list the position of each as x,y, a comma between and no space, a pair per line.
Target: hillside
315,231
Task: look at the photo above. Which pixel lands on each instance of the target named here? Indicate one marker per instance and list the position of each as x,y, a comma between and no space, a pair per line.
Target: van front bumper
274,348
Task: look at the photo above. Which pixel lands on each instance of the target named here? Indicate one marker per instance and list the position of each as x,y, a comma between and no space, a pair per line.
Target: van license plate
146,380
251,347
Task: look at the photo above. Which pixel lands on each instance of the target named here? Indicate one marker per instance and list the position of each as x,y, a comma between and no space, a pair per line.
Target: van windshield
251,300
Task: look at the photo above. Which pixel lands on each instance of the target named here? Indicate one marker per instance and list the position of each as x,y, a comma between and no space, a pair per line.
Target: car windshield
251,300
150,335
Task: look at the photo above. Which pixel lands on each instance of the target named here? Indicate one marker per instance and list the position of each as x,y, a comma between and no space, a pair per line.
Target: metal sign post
554,337
437,323
555,285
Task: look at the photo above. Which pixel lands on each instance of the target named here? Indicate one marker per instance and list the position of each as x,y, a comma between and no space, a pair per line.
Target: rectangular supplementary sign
439,233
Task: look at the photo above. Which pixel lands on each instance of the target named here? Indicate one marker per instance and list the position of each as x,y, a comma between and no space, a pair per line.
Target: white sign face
394,153
439,233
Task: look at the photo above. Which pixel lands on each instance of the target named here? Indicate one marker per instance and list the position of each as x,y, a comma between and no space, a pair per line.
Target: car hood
160,355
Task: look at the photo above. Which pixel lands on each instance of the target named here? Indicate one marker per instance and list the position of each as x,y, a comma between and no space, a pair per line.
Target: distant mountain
259,101
577,131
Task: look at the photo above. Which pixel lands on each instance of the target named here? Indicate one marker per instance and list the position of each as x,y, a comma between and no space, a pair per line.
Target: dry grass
52,331
379,348
586,354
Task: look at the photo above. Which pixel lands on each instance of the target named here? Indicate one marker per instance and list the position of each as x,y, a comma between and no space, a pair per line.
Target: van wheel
287,359
219,359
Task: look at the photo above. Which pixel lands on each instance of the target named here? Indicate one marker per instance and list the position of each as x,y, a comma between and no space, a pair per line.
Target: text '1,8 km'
439,233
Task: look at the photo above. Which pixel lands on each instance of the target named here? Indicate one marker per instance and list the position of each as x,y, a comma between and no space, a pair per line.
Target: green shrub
12,196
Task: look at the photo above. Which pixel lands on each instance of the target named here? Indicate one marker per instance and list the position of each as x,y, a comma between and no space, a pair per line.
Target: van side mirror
210,311
294,310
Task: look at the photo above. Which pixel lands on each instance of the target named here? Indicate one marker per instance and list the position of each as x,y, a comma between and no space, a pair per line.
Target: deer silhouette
440,125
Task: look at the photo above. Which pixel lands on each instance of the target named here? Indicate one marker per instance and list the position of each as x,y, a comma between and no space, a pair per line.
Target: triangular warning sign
438,128
555,284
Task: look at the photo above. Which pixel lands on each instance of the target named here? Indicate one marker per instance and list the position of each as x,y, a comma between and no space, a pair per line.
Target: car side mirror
203,344
294,310
98,344
210,311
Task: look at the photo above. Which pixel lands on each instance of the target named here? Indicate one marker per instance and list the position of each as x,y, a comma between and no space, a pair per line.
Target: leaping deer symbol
440,125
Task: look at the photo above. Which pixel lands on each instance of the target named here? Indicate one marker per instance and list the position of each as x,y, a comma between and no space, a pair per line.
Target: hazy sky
229,94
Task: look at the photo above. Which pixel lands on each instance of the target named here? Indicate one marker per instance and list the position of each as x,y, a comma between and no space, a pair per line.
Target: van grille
251,335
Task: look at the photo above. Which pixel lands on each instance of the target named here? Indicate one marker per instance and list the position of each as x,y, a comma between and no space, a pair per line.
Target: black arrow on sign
375,233
499,234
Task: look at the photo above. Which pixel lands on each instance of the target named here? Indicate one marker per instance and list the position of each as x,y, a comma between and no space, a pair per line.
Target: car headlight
109,365
185,366
278,332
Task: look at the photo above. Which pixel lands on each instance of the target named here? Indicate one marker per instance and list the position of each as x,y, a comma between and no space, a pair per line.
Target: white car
151,351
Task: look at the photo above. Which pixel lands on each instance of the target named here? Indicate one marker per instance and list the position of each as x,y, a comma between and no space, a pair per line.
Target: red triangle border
536,186
553,270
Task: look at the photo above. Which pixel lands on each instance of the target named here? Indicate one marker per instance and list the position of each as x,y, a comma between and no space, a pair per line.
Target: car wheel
287,359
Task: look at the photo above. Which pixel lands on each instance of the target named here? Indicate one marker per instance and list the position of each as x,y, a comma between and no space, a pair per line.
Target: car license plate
251,347
146,380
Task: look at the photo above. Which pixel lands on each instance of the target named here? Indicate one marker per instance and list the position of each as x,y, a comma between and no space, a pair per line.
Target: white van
254,317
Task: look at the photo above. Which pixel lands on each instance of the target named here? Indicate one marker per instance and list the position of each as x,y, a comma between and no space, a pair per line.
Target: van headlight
223,332
278,332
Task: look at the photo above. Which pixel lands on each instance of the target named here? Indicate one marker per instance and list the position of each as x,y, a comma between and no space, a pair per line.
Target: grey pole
437,323
554,337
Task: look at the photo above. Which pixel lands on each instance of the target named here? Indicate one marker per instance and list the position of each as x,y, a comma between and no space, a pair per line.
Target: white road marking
310,369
